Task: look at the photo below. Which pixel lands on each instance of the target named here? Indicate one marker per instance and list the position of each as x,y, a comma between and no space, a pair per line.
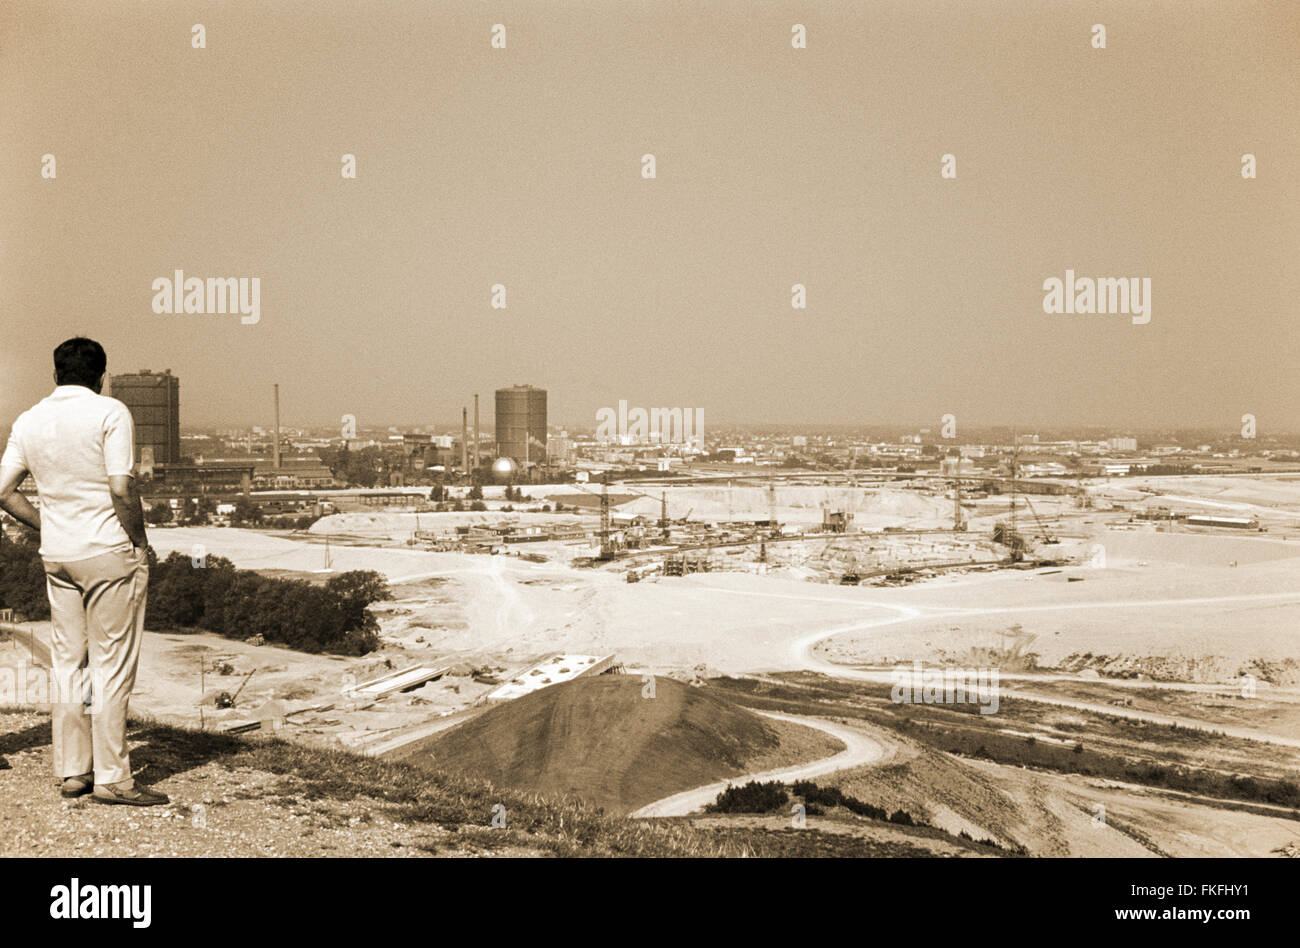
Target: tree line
211,595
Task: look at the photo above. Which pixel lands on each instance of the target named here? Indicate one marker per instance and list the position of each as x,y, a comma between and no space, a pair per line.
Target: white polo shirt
71,442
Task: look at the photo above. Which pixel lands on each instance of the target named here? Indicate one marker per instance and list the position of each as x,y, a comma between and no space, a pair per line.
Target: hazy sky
775,166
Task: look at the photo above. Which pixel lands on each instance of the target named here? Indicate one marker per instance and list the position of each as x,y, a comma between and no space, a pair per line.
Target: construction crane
606,547
606,551
773,528
1006,534
1043,532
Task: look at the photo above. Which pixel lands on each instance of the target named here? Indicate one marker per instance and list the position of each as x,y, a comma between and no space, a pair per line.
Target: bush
752,797
246,512
239,604
812,795
159,513
22,578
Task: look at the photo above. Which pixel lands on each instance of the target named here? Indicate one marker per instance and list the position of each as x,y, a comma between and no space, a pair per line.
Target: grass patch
424,798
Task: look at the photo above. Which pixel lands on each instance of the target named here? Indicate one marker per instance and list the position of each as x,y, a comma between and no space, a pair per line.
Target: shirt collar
69,391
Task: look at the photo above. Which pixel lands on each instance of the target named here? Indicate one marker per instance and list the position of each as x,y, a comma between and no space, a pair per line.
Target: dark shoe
4,764
77,786
133,796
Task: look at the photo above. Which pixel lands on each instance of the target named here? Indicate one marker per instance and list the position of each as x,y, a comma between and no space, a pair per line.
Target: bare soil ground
1045,810
605,741
241,797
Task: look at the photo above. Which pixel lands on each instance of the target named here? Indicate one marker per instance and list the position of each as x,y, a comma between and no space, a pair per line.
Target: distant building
561,451
1239,523
520,424
1122,444
217,477
154,401
955,464
294,474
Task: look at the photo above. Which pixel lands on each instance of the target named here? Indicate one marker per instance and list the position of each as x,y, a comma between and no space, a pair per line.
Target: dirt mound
599,739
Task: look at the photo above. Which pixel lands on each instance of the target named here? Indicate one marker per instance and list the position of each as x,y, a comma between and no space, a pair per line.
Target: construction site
784,588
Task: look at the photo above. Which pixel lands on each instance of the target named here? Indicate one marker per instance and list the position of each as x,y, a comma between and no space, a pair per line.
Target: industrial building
211,477
521,425
154,401
1237,523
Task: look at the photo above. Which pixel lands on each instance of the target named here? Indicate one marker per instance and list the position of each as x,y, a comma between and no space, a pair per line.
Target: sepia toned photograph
852,429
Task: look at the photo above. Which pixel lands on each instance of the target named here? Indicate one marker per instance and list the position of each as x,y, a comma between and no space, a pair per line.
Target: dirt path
858,750
802,651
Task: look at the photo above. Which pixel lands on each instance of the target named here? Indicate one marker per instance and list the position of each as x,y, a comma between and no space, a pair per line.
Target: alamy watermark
654,425
1128,296
214,296
920,685
24,685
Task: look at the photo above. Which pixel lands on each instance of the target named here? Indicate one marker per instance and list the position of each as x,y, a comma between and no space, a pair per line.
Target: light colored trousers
97,608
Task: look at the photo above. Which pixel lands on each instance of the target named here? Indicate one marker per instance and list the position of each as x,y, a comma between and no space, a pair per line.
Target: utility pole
1015,452
476,430
605,551
275,460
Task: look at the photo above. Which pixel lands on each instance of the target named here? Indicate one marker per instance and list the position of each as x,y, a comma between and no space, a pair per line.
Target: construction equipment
606,551
681,564
1044,534
225,699
851,576
1081,496
1006,535
835,521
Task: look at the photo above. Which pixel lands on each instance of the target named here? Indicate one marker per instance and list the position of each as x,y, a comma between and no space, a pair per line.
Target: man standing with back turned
79,447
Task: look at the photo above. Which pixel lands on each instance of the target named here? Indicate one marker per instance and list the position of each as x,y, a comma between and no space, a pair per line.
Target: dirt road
858,750
802,651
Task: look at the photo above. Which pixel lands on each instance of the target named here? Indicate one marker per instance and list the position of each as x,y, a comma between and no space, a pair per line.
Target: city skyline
819,167
443,418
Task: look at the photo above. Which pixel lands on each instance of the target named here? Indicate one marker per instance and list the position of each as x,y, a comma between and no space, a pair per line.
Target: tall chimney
464,438
476,430
275,450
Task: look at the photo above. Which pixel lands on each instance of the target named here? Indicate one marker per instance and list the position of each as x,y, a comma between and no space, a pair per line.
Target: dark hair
79,361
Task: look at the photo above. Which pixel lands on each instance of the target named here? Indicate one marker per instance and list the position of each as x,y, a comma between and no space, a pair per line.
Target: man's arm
14,503
126,503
